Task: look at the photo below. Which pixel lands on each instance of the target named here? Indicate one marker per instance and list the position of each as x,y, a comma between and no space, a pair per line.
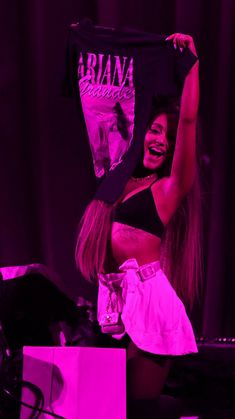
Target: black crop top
140,211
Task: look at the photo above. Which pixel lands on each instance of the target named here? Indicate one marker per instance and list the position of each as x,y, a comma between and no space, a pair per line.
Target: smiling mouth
155,152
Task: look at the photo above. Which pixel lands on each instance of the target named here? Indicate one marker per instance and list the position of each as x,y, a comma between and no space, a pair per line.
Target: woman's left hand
182,41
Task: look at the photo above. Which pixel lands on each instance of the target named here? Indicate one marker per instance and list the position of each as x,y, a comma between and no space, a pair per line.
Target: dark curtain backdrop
46,172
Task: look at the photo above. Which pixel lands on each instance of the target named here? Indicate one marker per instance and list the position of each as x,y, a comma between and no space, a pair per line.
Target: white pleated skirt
151,312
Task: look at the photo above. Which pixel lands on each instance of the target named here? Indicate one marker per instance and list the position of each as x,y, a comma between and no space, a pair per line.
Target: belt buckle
147,272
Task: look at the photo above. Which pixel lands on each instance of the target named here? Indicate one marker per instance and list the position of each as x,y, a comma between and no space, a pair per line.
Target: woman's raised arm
184,159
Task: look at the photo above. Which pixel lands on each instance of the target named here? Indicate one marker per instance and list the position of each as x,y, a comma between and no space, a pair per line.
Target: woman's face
156,144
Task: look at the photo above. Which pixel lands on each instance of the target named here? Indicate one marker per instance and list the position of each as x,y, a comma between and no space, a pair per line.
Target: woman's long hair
93,238
181,248
181,257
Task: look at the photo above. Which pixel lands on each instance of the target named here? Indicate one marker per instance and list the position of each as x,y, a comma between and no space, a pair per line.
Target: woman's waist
144,251
149,268
121,257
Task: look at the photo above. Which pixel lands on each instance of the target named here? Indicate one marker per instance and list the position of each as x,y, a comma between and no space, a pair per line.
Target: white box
77,382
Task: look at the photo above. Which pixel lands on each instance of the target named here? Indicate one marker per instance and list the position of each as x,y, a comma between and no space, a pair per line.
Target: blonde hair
93,237
181,248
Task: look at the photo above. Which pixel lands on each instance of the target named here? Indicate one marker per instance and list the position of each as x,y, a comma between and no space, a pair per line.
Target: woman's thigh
146,373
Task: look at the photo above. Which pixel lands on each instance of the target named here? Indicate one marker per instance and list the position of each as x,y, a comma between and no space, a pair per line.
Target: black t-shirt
115,76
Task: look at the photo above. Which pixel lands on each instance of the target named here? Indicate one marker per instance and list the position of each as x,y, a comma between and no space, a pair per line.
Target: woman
152,228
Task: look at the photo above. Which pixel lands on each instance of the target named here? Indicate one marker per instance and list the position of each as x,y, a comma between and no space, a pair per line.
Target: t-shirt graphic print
116,76
107,93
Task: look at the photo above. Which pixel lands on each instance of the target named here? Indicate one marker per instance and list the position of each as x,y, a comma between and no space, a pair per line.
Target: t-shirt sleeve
69,86
184,61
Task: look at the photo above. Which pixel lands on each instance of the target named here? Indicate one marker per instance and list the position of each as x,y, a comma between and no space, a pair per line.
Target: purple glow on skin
77,382
156,140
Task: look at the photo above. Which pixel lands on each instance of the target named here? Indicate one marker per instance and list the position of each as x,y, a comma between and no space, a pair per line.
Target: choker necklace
144,179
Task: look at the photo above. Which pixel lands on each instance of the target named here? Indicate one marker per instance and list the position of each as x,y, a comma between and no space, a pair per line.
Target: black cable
8,393
6,358
39,402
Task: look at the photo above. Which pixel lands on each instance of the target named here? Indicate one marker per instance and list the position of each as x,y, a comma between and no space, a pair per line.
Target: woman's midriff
128,242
